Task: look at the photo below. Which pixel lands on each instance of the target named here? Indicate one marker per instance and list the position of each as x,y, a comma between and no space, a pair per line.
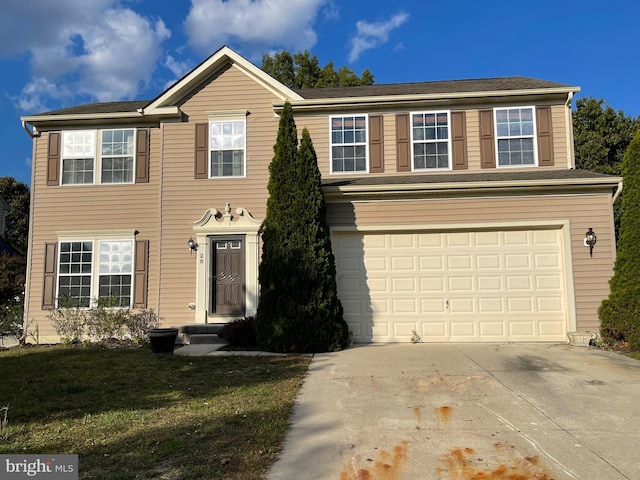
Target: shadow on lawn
51,383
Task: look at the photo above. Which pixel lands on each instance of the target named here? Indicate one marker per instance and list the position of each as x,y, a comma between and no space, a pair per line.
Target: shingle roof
422,88
488,177
430,88
101,107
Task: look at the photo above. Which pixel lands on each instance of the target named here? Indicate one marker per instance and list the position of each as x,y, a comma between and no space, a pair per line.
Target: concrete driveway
433,411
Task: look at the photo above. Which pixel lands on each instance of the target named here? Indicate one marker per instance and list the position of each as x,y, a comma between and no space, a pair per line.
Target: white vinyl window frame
83,262
84,151
515,136
430,143
227,156
346,137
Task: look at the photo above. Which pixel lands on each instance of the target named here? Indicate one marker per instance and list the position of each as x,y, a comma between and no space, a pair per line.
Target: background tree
13,267
620,312
601,137
16,194
301,70
12,278
299,309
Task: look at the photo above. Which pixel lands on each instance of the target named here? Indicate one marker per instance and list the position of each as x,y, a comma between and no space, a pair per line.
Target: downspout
29,252
29,132
618,192
571,164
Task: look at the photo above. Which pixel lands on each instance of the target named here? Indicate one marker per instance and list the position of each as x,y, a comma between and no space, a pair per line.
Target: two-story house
455,208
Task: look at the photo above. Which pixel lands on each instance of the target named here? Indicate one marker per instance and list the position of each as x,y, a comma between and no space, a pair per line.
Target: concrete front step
201,334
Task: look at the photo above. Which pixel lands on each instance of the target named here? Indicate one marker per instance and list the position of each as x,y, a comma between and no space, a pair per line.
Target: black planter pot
163,340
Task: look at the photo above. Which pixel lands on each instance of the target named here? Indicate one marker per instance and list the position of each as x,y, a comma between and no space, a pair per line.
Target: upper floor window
227,146
78,156
115,160
349,144
430,140
515,136
84,277
117,156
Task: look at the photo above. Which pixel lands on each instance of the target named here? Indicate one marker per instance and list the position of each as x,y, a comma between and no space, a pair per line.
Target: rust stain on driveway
386,467
466,464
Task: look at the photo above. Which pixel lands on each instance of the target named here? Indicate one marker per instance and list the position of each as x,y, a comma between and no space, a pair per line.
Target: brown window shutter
545,136
141,274
202,150
376,144
403,143
142,155
459,140
53,159
50,270
487,146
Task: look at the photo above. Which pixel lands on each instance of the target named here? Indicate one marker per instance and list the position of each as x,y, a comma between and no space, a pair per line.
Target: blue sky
60,53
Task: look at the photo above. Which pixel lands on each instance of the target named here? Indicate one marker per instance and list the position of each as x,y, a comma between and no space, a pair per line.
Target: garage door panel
432,305
432,284
459,262
491,305
432,263
453,286
489,283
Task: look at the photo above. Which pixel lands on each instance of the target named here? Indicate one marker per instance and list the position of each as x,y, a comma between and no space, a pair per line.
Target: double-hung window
430,138
118,147
515,136
78,156
109,152
227,148
349,144
89,270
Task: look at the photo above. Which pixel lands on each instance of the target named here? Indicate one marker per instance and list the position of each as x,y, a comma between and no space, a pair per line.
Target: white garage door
483,286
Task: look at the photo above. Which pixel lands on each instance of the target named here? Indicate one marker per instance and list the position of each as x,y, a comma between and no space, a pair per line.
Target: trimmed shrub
239,332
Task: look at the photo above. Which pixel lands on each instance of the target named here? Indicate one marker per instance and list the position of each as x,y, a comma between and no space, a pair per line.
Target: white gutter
431,187
394,99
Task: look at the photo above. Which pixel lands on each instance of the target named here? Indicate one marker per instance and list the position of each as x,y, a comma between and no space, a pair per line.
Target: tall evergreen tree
299,309
620,313
276,305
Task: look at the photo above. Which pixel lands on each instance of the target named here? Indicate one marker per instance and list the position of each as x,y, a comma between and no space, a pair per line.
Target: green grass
131,415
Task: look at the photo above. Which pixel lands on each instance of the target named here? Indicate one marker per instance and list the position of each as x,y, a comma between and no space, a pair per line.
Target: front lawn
131,415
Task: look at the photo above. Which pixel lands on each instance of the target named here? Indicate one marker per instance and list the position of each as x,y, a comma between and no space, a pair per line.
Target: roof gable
167,100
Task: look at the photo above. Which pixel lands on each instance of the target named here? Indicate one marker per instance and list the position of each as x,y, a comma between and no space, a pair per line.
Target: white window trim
97,156
95,239
227,116
100,156
534,136
449,143
366,145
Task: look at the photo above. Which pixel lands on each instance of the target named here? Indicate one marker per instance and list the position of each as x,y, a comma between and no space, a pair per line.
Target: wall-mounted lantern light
590,240
193,246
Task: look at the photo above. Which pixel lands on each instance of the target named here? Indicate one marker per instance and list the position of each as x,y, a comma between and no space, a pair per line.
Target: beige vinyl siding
185,199
318,126
98,208
591,275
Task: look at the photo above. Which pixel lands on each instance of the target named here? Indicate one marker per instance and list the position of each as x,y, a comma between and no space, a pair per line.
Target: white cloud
371,35
179,70
252,23
94,48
